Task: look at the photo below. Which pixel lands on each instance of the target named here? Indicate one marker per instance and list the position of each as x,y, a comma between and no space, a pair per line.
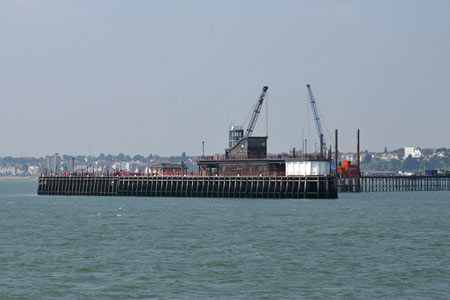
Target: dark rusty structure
235,166
293,187
246,156
248,148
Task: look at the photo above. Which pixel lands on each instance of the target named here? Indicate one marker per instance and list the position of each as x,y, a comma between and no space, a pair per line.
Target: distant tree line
409,164
9,161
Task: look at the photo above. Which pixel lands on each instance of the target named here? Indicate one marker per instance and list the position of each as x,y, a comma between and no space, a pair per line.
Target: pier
394,184
284,187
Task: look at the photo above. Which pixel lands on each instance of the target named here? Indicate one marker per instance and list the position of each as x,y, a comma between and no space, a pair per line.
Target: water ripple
386,245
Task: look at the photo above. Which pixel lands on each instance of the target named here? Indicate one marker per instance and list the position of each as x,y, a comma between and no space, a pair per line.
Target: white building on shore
415,152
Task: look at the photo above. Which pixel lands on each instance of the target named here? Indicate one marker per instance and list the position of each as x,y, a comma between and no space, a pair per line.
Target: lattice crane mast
256,111
317,121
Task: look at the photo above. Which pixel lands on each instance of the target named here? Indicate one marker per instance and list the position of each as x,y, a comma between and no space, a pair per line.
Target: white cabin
307,167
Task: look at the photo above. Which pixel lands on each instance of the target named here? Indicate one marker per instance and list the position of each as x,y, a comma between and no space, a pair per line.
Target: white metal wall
304,168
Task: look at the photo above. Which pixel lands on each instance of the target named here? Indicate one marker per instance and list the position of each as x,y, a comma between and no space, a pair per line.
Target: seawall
284,187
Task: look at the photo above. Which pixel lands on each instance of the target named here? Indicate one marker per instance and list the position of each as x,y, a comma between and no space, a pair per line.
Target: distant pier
284,187
394,184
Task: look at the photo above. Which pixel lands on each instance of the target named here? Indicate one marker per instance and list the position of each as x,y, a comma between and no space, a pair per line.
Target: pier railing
222,157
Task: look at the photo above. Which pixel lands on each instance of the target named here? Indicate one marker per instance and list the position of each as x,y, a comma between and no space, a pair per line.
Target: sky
160,77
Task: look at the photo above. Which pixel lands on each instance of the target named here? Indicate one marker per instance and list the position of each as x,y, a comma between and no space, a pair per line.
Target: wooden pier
284,187
394,184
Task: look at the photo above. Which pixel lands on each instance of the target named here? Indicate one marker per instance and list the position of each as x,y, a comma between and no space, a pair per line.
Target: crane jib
316,116
256,111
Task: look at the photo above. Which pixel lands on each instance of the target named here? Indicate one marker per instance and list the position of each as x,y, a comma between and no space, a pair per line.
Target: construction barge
243,175
244,171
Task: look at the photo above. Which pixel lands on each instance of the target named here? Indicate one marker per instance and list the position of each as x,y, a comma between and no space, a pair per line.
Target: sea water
360,246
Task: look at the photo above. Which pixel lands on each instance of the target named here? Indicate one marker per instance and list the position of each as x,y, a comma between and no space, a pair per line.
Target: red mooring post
329,156
336,152
357,151
358,161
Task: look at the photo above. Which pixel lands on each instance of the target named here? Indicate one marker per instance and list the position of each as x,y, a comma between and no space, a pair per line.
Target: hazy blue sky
85,77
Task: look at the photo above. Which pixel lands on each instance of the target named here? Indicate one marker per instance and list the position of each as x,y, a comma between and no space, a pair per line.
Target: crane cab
236,134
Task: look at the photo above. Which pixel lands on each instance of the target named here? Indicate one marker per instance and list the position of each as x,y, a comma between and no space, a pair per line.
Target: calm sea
366,246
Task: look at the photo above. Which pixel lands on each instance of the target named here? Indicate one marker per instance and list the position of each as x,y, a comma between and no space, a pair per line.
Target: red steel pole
336,152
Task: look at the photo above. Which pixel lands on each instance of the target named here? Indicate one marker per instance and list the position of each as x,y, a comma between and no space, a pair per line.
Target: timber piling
394,184
281,187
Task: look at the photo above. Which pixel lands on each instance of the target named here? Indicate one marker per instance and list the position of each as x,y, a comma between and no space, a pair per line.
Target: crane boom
315,111
256,111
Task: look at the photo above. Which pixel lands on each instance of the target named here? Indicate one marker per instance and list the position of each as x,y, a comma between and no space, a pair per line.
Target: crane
256,111
315,111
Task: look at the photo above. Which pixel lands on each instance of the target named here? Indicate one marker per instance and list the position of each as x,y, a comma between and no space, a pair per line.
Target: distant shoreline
18,177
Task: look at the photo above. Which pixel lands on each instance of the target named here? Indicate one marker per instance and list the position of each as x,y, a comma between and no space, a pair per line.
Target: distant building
72,165
33,170
81,168
7,171
133,166
348,156
96,168
388,156
166,169
53,163
121,166
415,152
